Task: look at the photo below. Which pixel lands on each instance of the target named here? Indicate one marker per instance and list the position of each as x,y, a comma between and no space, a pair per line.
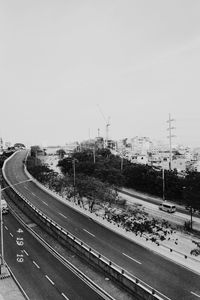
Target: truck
4,206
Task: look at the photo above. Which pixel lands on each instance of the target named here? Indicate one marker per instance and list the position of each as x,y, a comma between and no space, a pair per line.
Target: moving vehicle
4,206
168,207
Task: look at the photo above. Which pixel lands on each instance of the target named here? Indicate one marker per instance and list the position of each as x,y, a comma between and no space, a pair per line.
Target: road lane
40,274
169,278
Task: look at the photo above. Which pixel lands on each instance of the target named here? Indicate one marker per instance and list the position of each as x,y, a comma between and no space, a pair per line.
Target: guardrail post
110,263
99,255
136,281
122,271
153,292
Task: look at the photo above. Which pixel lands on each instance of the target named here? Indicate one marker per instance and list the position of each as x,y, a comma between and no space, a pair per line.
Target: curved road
173,280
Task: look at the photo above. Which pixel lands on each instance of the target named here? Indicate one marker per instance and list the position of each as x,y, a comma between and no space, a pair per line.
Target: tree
61,153
66,165
191,192
94,190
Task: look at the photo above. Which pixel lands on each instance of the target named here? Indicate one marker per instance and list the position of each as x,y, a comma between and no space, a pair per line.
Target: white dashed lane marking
63,215
26,253
11,234
36,264
6,227
49,280
138,262
89,232
65,296
195,294
45,203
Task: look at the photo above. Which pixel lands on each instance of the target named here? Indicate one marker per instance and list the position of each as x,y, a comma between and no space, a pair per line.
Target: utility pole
163,181
94,154
170,136
73,164
89,133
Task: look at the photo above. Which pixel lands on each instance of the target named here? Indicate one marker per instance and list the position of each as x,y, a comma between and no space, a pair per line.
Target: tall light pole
2,265
2,252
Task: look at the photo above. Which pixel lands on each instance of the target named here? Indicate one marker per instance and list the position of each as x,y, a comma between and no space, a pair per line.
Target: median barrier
122,277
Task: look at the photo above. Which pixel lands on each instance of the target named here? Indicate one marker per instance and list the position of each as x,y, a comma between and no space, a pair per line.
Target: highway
173,280
41,275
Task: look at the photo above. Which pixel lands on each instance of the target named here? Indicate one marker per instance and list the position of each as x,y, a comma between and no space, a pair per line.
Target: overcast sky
60,60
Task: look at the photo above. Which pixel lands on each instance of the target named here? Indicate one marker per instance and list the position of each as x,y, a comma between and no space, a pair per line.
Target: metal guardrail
123,272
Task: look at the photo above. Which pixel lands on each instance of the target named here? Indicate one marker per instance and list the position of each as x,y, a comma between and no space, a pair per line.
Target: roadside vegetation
108,169
101,176
93,184
4,156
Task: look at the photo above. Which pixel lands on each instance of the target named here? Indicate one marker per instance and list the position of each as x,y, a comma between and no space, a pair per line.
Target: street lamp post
2,265
2,252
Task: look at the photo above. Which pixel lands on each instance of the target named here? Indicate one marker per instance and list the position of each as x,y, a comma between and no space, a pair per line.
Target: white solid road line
11,234
195,294
89,232
63,216
49,280
138,262
36,264
65,296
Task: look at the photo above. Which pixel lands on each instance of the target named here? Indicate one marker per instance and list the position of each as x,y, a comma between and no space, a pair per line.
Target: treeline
110,169
4,156
73,187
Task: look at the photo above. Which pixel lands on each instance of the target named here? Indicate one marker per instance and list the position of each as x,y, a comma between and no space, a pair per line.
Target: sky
66,66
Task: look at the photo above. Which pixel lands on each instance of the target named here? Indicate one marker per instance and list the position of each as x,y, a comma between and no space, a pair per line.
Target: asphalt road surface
41,275
169,278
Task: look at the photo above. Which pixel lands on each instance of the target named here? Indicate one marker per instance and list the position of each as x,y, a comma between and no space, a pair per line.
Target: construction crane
107,126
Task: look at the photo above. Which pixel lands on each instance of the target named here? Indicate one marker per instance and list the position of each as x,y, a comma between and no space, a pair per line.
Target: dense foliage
68,185
108,168
4,156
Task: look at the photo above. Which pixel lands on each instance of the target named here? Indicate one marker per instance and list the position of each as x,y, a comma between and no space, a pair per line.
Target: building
140,145
139,159
71,147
